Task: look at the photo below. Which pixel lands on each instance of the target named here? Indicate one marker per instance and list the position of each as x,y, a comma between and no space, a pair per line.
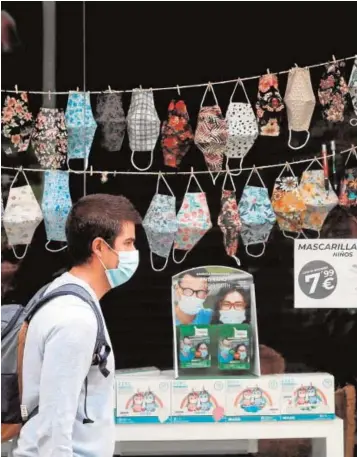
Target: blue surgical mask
232,316
128,262
204,353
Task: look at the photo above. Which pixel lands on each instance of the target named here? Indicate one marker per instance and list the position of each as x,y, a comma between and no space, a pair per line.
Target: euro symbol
327,284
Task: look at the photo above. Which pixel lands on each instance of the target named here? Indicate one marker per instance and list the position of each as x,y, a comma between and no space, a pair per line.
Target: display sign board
325,273
215,323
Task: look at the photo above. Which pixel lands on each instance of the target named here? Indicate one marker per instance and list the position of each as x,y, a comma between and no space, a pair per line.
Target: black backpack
15,320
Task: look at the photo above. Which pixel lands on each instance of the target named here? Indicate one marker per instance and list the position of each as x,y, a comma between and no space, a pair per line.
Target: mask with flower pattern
229,220
17,124
318,201
256,214
348,188
270,105
193,220
287,203
352,86
160,224
332,92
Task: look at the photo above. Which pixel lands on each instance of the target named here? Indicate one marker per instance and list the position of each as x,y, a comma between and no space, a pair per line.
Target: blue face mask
128,262
186,348
204,353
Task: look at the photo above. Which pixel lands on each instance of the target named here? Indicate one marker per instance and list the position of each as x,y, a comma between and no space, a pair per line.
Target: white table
170,439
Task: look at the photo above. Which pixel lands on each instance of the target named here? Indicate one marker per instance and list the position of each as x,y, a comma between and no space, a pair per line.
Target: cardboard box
198,400
253,399
145,371
307,396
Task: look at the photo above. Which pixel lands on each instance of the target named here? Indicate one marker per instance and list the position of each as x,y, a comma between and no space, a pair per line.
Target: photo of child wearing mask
231,306
191,292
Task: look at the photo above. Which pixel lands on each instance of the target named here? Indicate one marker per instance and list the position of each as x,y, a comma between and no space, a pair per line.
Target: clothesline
166,173
177,87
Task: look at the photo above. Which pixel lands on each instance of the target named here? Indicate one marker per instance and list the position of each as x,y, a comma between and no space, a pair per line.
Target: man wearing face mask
190,293
75,414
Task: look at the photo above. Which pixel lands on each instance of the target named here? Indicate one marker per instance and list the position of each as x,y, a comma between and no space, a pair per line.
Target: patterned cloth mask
352,85
143,125
211,133
17,124
49,138
348,188
318,202
160,224
56,205
81,126
176,134
270,106
22,216
333,92
300,102
287,203
193,220
242,127
256,214
229,220
111,118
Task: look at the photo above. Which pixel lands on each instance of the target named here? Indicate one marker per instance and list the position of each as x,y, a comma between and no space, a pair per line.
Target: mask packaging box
253,399
234,347
143,372
142,400
307,396
194,346
198,400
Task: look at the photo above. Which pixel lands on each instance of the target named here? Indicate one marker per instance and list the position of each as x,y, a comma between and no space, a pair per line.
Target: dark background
159,44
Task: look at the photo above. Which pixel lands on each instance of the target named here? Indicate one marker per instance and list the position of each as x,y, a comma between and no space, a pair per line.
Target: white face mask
232,316
190,305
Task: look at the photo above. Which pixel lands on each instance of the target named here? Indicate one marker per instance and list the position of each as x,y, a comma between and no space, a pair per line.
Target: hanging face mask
229,220
111,119
288,203
81,126
160,224
348,188
128,262
232,316
56,205
17,124
22,216
352,85
242,127
50,138
333,92
211,133
193,220
300,102
270,106
318,201
176,134
143,125
256,214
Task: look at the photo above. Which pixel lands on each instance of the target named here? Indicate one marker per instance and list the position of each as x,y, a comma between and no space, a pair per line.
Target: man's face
123,242
192,286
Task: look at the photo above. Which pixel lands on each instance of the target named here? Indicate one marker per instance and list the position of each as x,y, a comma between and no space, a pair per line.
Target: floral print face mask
176,134
211,133
22,216
160,224
352,85
256,214
49,138
348,188
318,201
288,203
17,124
111,119
229,220
270,106
333,92
193,220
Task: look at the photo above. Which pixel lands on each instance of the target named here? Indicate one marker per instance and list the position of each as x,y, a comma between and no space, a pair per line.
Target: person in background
231,306
191,292
75,416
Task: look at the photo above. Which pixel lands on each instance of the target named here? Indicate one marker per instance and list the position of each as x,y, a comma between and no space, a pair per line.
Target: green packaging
194,346
234,346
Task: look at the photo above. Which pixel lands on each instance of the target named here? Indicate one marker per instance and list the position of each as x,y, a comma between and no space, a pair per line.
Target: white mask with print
190,305
232,316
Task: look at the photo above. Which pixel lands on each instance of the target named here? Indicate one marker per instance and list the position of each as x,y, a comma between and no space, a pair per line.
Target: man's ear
97,247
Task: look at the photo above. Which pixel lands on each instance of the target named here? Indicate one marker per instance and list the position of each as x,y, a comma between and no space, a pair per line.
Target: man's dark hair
96,215
201,273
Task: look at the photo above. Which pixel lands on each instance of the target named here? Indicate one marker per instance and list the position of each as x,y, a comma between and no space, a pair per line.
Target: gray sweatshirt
57,359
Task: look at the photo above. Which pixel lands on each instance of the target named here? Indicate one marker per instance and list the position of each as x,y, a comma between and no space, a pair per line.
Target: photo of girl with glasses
232,306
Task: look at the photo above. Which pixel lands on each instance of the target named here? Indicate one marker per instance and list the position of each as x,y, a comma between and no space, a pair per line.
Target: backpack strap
101,349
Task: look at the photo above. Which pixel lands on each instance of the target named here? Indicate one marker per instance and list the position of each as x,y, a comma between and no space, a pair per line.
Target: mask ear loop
240,167
209,87
315,159
298,147
20,257
77,172
161,176
158,269
255,169
54,250
142,169
228,172
255,255
236,259
353,151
